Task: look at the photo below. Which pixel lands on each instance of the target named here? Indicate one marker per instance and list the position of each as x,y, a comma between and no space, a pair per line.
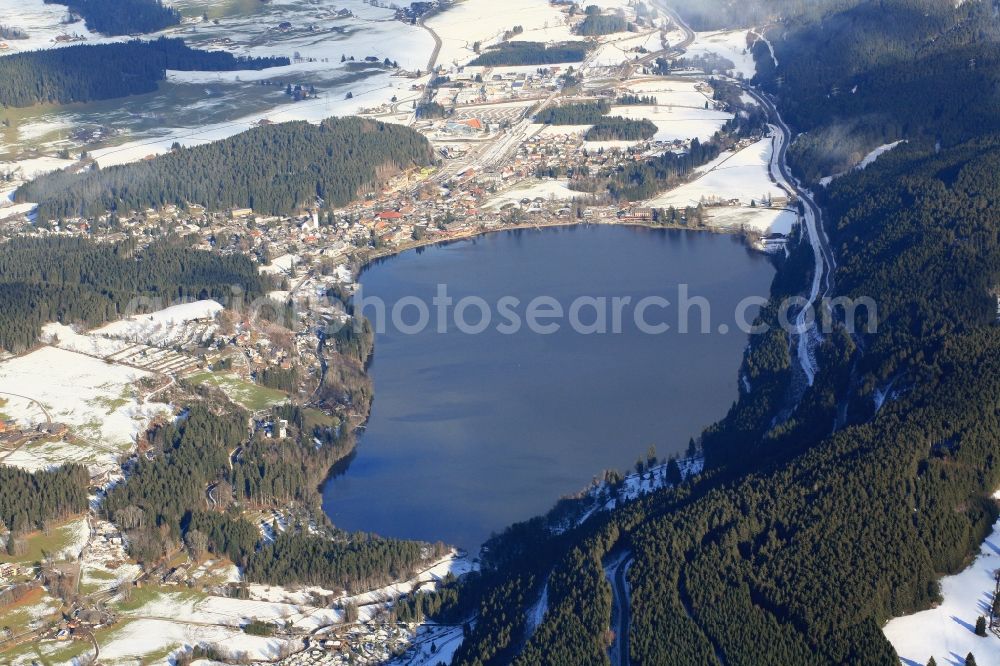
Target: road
432,62
616,571
689,35
822,282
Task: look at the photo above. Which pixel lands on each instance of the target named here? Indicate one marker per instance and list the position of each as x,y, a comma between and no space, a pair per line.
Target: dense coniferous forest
531,53
357,563
601,24
295,164
617,128
820,517
85,72
920,76
75,280
719,14
187,485
123,17
576,113
28,500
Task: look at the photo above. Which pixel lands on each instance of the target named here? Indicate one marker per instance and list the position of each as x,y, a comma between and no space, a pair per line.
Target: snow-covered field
621,47
547,189
282,264
672,92
472,21
731,45
131,348
947,632
171,325
42,22
96,399
676,123
371,92
227,612
146,341
679,113
742,175
453,563
762,220
865,162
142,637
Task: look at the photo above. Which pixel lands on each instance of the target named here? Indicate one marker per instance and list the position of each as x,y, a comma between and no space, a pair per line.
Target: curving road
616,571
822,282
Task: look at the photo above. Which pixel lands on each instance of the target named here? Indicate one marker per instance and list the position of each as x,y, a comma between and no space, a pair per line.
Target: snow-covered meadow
947,631
473,21
741,175
547,190
140,638
96,399
42,22
729,44
176,324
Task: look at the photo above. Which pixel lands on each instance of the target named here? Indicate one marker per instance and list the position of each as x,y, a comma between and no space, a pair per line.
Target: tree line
531,53
597,23
123,17
28,500
75,280
295,165
617,128
86,72
575,113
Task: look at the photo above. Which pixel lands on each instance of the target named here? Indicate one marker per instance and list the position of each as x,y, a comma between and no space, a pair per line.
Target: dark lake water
469,433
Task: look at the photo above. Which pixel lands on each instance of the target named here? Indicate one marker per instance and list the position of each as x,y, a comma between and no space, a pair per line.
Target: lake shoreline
372,259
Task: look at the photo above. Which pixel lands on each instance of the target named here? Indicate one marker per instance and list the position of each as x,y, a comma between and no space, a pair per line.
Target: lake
471,432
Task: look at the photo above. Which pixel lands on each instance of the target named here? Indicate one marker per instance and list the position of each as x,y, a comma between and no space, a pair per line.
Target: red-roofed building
389,215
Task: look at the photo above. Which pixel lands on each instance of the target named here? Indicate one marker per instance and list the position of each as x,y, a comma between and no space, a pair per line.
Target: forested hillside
920,75
819,519
801,543
163,504
719,14
74,280
86,72
123,17
294,163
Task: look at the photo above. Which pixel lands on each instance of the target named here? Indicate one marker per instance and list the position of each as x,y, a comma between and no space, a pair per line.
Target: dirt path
48,418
